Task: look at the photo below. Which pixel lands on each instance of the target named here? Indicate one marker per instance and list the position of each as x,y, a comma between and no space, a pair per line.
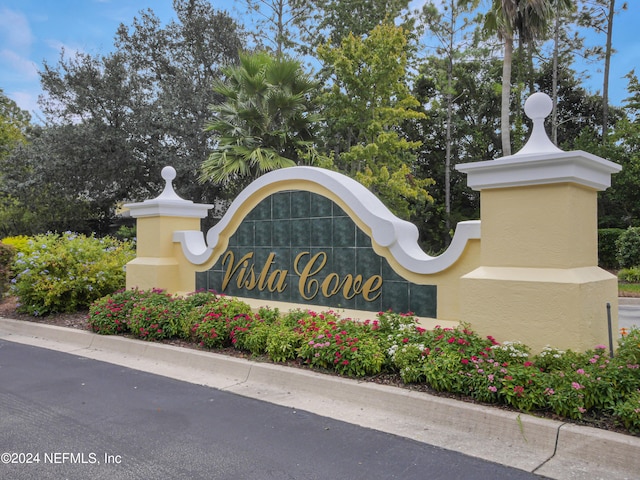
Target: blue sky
33,30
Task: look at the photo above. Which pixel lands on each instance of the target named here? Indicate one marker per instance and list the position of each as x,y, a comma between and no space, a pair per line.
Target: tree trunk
505,126
554,81
607,64
447,161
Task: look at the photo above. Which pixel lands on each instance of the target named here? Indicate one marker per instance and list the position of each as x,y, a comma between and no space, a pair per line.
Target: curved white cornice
521,170
387,230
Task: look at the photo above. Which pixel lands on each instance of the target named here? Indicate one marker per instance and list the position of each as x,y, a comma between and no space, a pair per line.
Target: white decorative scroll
388,231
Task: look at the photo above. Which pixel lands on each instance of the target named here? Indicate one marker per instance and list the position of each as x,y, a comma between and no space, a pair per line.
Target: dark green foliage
607,249
265,121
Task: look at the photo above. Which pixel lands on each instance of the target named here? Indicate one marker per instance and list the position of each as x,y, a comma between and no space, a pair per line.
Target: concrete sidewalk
549,448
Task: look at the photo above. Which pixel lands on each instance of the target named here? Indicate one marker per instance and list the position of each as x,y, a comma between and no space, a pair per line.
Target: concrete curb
628,301
546,447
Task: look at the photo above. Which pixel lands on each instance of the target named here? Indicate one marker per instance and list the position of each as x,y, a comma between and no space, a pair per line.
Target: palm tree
264,122
527,20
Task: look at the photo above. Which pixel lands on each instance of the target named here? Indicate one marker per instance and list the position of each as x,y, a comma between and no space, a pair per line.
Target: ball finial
538,105
168,173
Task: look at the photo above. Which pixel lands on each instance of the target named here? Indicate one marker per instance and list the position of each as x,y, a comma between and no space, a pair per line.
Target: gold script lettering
332,284
246,277
308,286
371,288
244,273
232,267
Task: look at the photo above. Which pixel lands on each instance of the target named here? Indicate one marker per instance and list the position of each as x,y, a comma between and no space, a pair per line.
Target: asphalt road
629,316
68,417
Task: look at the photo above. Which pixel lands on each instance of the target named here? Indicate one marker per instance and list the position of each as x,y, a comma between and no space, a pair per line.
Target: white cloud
19,65
15,31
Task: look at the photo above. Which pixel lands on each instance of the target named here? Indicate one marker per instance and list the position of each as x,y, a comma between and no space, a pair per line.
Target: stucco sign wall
305,235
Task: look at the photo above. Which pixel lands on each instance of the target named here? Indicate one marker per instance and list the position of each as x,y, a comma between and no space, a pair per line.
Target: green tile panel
287,223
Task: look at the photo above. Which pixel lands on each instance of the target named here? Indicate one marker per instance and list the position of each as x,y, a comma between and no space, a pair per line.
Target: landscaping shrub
155,316
607,249
110,315
629,275
628,248
7,253
126,233
20,243
208,329
342,345
211,323
66,273
628,411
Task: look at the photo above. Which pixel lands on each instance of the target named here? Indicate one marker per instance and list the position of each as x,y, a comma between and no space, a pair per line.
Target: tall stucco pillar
159,262
539,282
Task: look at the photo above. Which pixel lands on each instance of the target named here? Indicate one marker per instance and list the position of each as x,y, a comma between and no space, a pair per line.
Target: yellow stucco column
538,280
159,262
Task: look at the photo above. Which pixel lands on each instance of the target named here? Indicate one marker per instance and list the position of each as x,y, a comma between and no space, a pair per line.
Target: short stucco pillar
159,262
538,280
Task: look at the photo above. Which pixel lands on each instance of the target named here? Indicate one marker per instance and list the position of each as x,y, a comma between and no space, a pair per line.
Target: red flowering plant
211,323
110,315
155,316
343,345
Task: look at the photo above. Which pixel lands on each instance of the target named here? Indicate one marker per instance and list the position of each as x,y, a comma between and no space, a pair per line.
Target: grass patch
629,289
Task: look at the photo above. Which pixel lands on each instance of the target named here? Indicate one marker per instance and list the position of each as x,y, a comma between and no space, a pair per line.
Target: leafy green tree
450,26
563,15
366,106
619,206
15,129
332,21
276,23
265,121
578,111
474,124
114,121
